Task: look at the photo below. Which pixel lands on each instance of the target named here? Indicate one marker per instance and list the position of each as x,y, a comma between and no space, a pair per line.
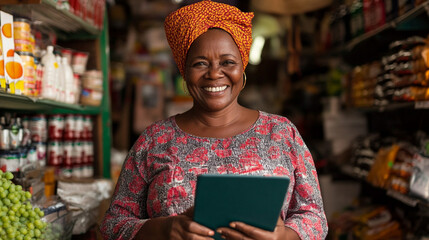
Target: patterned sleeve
305,214
127,211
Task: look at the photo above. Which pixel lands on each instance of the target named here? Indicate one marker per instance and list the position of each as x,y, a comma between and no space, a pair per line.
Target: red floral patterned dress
158,177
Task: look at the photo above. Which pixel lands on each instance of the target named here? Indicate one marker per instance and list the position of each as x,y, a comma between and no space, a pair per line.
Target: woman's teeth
215,89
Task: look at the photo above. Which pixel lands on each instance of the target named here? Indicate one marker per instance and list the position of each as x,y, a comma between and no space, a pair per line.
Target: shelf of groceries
50,108
38,73
363,30
413,201
66,18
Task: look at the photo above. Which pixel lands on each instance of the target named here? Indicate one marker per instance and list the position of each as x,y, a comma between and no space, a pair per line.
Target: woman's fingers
194,227
184,228
231,234
250,231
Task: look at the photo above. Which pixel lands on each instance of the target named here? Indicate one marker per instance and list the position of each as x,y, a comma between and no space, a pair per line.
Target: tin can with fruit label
29,72
22,34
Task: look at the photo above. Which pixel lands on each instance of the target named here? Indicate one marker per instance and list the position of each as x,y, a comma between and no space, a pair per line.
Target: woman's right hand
180,227
183,227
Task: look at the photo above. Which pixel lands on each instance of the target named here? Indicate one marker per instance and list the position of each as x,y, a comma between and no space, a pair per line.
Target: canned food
78,127
38,124
79,151
41,153
56,127
23,157
9,161
69,127
32,154
4,139
67,154
67,166
29,73
87,125
55,153
22,34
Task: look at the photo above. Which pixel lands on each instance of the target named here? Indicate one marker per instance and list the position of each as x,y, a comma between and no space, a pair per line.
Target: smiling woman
155,193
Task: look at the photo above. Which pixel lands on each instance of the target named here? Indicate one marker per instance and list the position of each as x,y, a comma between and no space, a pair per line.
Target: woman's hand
178,227
242,231
183,227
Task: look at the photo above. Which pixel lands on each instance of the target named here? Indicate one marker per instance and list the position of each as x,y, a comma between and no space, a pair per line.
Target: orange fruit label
7,30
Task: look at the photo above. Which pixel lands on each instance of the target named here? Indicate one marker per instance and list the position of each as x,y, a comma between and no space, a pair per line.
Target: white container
50,72
68,81
60,81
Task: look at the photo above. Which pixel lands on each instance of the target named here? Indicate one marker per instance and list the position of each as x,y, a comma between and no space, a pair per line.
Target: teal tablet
254,200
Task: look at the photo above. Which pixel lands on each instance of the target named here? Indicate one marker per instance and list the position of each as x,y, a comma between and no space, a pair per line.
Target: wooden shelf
24,103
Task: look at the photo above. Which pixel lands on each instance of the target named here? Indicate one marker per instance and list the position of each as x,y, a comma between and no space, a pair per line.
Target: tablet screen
254,200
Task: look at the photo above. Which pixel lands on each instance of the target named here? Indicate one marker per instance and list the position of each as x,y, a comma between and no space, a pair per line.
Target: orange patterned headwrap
186,24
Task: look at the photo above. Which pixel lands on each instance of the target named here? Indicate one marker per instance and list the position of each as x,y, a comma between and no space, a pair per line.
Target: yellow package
2,78
380,170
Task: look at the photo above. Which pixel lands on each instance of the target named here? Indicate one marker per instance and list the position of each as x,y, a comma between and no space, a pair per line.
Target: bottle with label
357,19
50,73
60,80
38,77
69,80
14,134
4,134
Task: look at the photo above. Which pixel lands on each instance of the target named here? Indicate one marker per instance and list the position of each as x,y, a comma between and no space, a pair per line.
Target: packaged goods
380,170
91,97
2,77
38,79
419,181
60,80
50,74
13,70
68,160
29,73
79,62
38,127
68,54
356,19
55,155
56,127
22,35
69,91
93,79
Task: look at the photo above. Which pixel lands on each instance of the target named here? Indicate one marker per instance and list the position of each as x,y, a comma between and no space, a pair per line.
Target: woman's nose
214,72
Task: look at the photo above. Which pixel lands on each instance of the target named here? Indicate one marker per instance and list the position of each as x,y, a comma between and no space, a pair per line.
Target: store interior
352,75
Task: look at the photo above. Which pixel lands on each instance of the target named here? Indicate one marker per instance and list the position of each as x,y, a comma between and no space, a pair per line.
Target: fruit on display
18,219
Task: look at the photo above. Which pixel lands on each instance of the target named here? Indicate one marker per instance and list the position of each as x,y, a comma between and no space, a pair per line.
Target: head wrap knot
186,24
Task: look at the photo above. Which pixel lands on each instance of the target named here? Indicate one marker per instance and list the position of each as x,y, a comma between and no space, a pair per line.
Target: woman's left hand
242,231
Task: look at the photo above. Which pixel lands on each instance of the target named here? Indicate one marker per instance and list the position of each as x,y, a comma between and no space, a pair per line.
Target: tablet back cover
255,200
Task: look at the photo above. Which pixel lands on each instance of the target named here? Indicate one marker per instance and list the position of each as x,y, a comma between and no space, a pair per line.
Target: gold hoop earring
244,80
185,88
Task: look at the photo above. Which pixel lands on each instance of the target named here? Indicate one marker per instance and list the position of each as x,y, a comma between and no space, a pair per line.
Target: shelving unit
68,27
415,22
49,17
408,200
388,124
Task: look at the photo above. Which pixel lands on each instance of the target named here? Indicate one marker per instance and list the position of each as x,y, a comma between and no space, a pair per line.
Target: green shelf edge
105,104
28,104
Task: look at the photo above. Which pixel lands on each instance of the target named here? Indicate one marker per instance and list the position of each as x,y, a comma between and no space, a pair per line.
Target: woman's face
214,70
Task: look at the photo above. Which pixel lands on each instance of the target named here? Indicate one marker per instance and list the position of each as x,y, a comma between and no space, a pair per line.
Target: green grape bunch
18,219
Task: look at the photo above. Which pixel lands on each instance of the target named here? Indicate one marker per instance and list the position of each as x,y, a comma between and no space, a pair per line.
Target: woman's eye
228,62
199,64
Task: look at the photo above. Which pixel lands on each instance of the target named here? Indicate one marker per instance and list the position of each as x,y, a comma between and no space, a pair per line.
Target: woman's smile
215,89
